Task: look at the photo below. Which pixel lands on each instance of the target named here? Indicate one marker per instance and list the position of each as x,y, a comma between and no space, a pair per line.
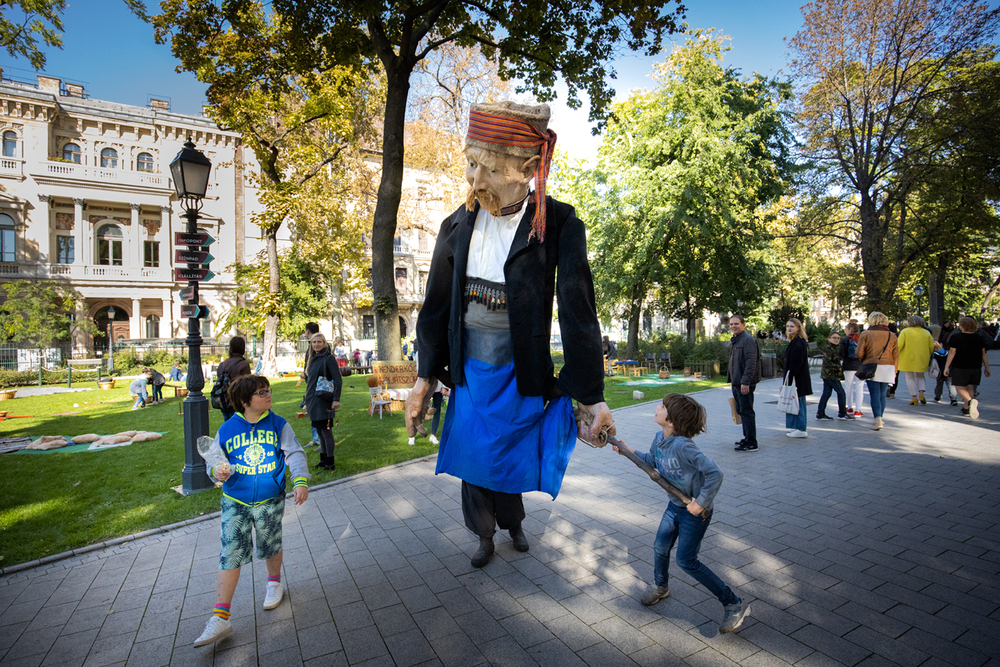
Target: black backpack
219,399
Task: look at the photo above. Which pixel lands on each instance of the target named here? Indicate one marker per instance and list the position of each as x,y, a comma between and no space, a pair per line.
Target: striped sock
277,579
222,611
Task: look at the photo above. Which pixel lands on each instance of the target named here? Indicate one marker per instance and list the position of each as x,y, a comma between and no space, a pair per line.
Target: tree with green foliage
301,296
870,71
41,312
234,43
24,22
679,198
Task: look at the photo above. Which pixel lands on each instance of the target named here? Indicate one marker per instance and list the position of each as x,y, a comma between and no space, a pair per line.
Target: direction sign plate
182,256
188,293
191,310
201,275
197,240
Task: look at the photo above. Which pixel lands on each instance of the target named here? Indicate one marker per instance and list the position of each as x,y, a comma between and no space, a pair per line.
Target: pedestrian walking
854,389
916,345
797,371
877,345
744,374
966,359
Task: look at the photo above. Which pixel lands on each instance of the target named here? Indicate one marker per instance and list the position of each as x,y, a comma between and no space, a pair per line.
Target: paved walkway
853,547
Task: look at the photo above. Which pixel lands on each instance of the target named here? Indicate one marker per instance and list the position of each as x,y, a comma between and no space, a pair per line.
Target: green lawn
57,501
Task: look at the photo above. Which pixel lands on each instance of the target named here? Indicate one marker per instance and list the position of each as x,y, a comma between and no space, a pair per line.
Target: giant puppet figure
484,329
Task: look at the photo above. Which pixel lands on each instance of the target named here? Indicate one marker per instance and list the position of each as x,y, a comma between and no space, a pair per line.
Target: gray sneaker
654,595
735,613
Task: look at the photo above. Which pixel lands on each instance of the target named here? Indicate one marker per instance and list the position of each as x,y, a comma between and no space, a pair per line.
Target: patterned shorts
238,519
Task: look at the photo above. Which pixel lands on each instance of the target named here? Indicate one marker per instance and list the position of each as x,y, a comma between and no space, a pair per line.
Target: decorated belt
490,294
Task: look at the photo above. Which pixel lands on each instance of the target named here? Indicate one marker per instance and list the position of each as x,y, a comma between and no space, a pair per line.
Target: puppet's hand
417,403
591,420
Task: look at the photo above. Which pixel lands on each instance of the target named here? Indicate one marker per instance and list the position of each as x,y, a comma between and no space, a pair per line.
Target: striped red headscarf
497,130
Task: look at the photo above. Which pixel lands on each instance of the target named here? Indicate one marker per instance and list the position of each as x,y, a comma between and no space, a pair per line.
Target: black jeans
744,408
436,400
326,442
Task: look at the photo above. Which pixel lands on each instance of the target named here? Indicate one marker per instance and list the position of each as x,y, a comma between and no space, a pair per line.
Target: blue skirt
497,439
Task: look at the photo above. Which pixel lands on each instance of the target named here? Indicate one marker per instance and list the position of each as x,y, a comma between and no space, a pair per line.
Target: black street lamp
111,349
190,171
918,292
739,304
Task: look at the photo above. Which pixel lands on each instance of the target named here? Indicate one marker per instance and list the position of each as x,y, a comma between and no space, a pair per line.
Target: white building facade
86,198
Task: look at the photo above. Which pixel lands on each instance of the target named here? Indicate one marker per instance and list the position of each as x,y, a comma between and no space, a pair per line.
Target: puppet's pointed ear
529,166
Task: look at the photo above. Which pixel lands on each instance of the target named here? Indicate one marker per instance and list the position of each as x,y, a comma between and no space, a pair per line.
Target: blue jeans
797,422
140,399
680,526
877,392
744,408
830,386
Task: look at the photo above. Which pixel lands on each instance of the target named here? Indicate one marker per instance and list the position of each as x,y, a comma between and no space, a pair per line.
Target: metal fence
24,356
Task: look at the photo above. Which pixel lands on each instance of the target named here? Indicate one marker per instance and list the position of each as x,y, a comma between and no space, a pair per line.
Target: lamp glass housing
190,170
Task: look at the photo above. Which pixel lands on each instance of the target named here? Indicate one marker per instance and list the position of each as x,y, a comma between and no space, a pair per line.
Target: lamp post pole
190,171
111,331
918,292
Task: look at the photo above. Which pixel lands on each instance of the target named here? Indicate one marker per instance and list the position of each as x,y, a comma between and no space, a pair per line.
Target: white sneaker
974,409
433,440
797,434
215,629
412,441
275,591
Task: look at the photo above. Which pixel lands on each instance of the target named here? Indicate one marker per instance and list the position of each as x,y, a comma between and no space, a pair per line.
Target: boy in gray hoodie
685,466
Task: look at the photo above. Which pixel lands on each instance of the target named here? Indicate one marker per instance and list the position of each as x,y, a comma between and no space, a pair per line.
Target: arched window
71,153
7,236
152,326
109,158
144,162
402,328
9,144
109,245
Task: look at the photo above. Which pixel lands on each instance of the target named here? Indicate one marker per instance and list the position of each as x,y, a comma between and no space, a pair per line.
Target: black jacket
322,364
797,364
530,277
744,360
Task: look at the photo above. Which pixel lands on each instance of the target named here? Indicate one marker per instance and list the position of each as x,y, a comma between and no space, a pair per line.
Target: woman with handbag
323,397
797,373
879,355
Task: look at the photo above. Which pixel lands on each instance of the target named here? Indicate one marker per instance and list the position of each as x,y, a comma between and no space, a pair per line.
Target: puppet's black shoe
520,541
485,552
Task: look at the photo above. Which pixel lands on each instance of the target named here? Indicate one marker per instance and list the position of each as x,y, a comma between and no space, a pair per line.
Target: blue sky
113,54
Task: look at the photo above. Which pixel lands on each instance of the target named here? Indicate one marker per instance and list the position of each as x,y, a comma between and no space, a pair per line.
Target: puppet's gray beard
487,200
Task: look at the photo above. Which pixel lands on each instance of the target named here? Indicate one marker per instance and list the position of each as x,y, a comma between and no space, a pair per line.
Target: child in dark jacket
681,463
260,447
832,375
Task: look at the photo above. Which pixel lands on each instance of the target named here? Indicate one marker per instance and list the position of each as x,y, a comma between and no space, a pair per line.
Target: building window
206,325
9,144
423,241
401,279
71,153
109,158
367,326
402,328
7,236
151,255
152,326
144,162
109,245
64,250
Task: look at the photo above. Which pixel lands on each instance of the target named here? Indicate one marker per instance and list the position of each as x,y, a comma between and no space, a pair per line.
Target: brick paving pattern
853,548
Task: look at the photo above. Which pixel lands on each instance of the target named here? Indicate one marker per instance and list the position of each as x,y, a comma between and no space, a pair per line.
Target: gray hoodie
685,466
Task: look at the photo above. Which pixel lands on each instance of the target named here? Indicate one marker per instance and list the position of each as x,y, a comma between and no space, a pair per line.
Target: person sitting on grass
832,375
139,386
260,447
682,464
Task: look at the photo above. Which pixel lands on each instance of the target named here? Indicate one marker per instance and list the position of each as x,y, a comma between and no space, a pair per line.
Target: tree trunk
634,312
935,291
270,352
872,240
690,319
390,191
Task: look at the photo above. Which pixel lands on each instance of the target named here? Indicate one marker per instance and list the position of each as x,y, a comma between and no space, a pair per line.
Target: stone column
43,231
135,328
166,316
164,237
81,253
137,239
